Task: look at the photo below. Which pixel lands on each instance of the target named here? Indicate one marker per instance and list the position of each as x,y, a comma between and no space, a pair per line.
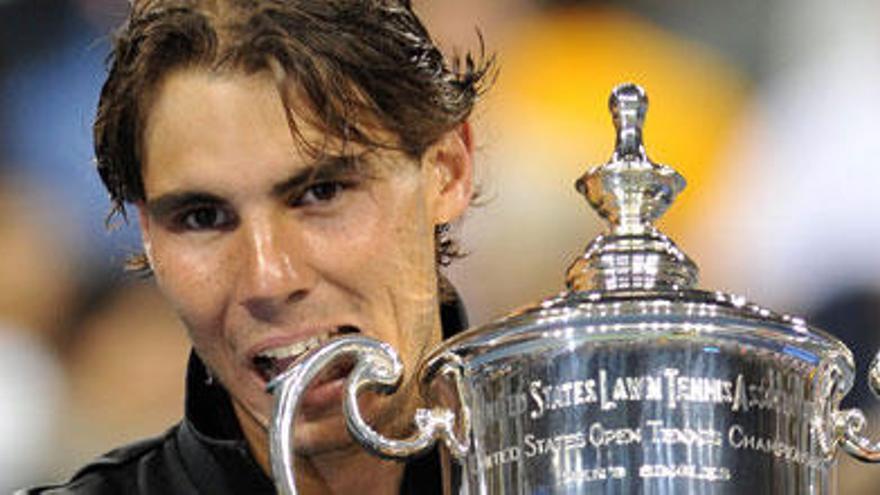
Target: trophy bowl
631,381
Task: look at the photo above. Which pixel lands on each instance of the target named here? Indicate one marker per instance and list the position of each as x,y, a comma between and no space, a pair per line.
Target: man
294,165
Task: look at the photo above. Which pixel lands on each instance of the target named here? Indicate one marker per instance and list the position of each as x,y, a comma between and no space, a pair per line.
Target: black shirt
206,452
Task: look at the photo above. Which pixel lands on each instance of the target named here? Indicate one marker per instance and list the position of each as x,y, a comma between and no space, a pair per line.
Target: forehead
199,120
202,121
311,111
212,102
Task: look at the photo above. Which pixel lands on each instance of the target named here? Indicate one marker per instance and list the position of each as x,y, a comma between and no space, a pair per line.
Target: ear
145,225
449,163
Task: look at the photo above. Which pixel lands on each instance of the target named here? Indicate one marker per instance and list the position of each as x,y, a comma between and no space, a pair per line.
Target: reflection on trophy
632,381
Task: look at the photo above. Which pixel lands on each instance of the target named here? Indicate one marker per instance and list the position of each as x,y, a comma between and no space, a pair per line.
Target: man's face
265,250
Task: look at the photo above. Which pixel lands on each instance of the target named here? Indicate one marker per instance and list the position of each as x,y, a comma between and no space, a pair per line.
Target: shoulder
144,467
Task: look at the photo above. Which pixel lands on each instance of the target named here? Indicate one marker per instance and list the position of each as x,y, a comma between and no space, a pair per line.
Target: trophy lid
633,282
630,191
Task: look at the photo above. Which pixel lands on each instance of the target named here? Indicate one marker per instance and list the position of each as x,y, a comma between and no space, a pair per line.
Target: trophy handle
850,423
376,366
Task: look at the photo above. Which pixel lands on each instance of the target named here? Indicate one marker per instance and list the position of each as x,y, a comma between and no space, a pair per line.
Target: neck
332,472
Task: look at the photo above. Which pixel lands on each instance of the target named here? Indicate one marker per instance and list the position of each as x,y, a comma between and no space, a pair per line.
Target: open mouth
272,362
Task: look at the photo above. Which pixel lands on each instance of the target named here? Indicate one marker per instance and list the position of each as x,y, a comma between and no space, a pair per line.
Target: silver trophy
632,381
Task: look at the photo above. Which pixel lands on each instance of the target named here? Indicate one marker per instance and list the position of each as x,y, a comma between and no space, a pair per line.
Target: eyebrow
166,204
328,167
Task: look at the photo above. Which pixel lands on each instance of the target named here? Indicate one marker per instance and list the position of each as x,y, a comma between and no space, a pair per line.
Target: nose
276,271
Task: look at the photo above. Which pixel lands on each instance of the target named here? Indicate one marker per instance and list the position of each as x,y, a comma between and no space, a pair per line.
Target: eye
319,193
205,218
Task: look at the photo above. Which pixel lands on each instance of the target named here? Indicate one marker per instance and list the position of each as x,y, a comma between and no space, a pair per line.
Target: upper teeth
297,348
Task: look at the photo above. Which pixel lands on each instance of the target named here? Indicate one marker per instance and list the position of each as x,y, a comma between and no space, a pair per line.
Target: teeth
294,349
298,348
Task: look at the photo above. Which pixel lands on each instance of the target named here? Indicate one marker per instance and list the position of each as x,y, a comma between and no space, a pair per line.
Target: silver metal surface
631,382
852,422
630,192
288,389
376,367
663,393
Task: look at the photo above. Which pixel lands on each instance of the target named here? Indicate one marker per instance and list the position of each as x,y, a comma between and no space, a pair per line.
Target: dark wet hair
356,63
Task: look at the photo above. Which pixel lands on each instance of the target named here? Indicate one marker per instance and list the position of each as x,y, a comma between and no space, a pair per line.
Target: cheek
192,279
386,240
402,274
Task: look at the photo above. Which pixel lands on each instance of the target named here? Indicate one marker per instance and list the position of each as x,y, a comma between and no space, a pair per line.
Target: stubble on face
283,269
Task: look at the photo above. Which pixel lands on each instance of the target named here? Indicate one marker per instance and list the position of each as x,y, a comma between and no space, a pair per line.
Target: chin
391,416
320,422
322,437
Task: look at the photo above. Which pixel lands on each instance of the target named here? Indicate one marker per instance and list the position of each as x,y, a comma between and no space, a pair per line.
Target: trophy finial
631,192
628,104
